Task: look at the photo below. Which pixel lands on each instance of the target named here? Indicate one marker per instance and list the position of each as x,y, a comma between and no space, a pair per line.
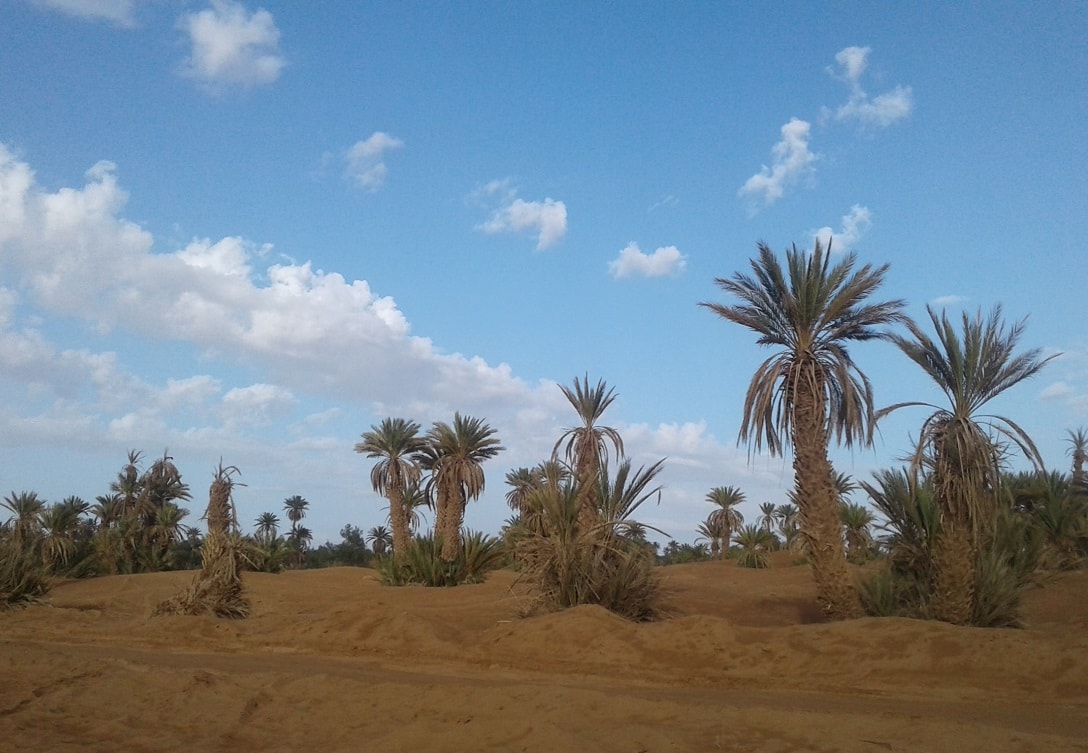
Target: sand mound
333,661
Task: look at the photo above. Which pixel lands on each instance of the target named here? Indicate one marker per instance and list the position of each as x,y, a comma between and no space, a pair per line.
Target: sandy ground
332,661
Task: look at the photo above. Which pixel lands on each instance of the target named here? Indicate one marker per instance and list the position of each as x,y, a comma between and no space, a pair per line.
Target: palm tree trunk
398,521
953,589
817,500
454,518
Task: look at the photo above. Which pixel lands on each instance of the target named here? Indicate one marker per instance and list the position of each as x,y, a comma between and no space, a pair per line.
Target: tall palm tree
587,445
455,459
959,447
810,390
267,527
58,525
296,508
1078,449
726,517
396,443
767,514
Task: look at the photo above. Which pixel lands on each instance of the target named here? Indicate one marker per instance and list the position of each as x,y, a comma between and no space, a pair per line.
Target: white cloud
791,160
882,110
855,225
666,260
290,365
256,405
232,47
119,12
547,218
948,301
365,160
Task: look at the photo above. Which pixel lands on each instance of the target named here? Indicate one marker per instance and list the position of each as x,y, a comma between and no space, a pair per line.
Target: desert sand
330,660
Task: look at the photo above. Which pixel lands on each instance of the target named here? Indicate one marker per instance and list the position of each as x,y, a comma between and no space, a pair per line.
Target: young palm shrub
755,544
565,564
424,565
217,588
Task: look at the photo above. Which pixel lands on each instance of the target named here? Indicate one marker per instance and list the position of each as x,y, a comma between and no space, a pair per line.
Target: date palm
396,443
810,391
587,445
710,531
380,540
267,527
455,459
26,509
959,447
1078,449
726,518
767,513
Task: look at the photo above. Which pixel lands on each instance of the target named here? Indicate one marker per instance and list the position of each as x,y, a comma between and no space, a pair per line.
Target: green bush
423,564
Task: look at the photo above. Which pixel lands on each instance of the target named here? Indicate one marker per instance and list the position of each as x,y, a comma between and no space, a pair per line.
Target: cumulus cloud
881,110
547,218
280,366
232,47
365,160
118,12
632,262
855,224
791,161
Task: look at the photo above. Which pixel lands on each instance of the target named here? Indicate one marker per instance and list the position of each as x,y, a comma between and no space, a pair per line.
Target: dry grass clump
217,588
22,578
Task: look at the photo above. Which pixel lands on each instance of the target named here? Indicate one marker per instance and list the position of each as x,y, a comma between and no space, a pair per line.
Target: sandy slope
332,661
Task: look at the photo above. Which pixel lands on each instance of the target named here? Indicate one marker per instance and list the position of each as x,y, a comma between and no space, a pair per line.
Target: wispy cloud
948,301
547,218
881,110
232,47
791,160
855,224
632,262
366,160
119,12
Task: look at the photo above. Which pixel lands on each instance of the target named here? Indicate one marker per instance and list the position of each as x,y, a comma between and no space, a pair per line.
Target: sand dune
332,661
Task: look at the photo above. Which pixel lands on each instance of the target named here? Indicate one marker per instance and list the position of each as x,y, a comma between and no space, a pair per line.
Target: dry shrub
217,587
22,577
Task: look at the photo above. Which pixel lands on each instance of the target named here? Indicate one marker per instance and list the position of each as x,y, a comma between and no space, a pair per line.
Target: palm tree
522,483
380,540
811,390
397,443
296,508
958,446
455,459
58,528
587,445
267,527
755,543
1078,448
768,511
26,508
726,517
856,522
711,531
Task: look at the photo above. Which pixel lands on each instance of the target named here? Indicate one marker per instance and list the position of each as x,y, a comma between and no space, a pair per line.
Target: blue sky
250,231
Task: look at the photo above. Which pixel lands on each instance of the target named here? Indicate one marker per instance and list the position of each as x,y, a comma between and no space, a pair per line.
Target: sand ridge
331,659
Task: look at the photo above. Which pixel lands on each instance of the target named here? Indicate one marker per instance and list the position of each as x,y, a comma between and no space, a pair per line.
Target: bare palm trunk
455,517
398,521
817,500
